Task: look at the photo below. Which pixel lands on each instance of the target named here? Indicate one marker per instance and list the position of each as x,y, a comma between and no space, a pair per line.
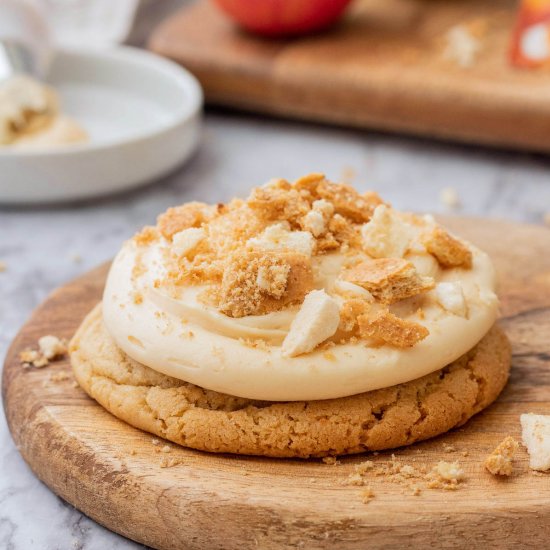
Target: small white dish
142,112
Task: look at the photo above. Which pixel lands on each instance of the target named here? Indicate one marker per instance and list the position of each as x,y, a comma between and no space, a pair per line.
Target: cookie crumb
166,462
367,495
155,441
461,46
32,358
51,347
166,449
445,475
449,448
330,460
449,197
448,250
499,462
535,433
364,467
354,479
59,376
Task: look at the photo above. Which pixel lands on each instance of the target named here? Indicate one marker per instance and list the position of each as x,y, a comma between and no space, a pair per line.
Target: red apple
283,17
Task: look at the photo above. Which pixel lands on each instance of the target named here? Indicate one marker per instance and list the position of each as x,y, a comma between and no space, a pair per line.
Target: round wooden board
112,471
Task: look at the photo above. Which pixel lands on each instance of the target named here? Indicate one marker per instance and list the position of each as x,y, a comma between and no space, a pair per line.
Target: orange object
530,45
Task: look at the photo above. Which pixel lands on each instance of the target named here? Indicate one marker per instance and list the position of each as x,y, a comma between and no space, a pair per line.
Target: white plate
143,115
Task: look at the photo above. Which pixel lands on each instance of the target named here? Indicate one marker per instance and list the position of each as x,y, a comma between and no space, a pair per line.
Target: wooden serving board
382,67
112,472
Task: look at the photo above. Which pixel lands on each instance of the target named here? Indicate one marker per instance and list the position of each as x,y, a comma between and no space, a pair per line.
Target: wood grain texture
112,471
382,67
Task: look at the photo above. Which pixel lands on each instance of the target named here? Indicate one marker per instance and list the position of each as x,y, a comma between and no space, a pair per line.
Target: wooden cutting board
382,67
112,471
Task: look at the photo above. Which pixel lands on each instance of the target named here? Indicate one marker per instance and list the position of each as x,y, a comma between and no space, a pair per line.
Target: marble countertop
43,248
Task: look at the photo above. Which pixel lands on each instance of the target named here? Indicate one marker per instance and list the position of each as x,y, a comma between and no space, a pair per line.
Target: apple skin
283,17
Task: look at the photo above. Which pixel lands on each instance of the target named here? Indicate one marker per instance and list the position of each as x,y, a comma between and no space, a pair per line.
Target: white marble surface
39,246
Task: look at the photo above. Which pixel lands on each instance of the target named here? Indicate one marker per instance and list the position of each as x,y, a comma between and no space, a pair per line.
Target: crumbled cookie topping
387,328
192,214
389,279
499,462
385,235
263,254
255,283
449,251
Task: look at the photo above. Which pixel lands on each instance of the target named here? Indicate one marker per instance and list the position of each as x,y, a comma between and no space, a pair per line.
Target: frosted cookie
215,422
309,294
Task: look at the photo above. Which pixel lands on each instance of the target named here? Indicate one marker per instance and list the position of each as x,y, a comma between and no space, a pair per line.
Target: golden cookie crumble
389,279
500,461
262,254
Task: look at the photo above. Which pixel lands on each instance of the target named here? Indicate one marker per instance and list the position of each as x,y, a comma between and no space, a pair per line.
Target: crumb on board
52,347
445,475
367,494
462,46
59,376
413,479
155,441
535,434
499,462
330,460
449,448
170,462
166,449
49,348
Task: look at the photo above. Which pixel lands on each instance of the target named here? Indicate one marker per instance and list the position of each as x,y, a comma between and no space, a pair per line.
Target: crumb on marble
449,197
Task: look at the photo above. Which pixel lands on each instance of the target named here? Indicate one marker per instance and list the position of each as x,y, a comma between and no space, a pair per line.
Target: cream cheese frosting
177,330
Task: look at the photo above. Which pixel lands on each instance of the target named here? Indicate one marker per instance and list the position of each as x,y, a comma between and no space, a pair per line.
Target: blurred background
431,103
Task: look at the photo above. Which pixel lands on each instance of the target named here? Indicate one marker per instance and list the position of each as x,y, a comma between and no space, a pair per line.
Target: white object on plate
143,115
